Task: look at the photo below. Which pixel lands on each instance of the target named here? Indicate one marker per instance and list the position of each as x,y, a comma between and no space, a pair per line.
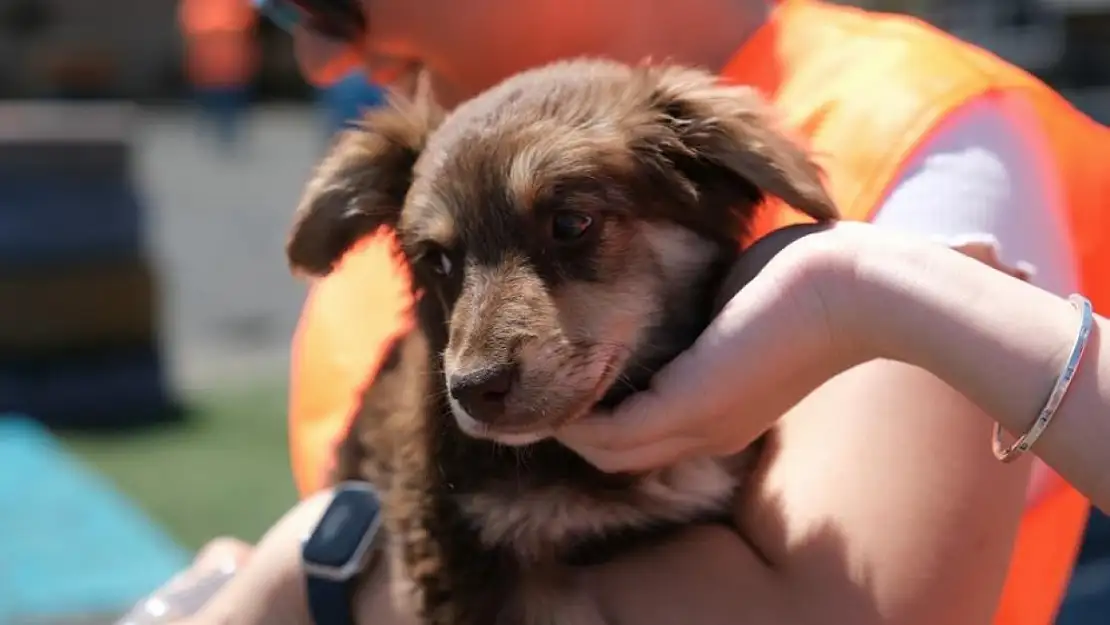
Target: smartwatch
339,549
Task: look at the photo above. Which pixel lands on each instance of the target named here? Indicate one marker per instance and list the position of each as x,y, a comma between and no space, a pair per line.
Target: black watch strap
339,551
331,602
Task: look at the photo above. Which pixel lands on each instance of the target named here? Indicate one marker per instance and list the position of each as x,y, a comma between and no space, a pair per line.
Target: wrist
340,554
908,299
883,292
965,318
828,265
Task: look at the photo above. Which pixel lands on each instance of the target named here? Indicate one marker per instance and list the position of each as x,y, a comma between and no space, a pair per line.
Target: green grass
225,471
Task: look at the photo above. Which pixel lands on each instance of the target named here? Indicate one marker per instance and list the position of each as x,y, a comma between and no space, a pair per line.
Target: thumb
653,455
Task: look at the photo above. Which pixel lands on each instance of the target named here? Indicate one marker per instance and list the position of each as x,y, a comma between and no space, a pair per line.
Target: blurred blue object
106,388
48,221
347,100
71,216
224,108
67,198
1088,598
70,544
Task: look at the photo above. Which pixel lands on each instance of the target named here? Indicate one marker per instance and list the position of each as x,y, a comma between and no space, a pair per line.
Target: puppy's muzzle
482,393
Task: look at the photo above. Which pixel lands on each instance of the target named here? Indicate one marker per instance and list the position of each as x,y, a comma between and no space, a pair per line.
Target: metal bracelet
1059,391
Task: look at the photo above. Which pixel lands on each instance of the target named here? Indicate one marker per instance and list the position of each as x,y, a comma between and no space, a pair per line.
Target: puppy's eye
436,259
569,225
440,262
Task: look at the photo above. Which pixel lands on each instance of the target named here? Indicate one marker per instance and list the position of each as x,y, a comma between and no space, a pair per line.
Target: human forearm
270,588
999,341
880,494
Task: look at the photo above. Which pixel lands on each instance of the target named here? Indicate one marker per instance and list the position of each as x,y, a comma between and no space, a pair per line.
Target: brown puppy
567,231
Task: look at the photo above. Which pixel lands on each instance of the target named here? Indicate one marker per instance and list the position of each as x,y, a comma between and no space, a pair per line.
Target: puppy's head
568,224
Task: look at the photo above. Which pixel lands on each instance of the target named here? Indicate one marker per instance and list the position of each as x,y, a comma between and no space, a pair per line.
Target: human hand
772,343
221,553
190,590
269,586
800,306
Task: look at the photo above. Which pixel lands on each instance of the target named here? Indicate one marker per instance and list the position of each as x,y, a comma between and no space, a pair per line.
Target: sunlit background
150,156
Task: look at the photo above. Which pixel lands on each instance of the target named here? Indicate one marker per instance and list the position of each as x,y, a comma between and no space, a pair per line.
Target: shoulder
982,174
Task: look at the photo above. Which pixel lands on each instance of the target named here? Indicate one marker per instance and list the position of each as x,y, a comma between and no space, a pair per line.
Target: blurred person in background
916,131
221,58
346,96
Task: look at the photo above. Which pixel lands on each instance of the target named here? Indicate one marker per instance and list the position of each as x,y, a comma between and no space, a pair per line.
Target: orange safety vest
864,89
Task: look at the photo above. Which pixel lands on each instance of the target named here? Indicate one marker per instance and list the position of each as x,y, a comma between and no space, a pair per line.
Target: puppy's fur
566,231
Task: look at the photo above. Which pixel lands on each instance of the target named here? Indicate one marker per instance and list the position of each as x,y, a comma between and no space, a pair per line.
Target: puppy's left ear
725,139
361,184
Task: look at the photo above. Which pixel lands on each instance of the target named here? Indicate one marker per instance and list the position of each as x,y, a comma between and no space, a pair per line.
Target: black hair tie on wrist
753,259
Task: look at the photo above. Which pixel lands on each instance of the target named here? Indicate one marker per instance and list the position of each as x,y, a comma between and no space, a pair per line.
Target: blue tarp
70,544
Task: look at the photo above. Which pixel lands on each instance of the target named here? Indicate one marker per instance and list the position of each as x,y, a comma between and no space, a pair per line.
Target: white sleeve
979,176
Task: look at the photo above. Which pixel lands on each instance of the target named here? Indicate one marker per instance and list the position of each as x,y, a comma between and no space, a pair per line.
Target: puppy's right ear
361,185
725,140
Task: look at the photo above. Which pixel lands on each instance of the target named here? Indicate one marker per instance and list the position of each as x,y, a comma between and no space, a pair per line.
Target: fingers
986,249
657,427
224,553
220,555
680,415
190,590
640,435
661,453
635,421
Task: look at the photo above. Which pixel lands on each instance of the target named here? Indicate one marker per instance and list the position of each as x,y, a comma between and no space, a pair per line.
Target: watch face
352,513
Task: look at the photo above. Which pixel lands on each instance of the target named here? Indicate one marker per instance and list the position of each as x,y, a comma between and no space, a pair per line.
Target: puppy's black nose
482,393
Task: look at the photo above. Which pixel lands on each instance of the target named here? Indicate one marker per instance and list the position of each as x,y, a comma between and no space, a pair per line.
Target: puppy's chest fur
481,533
568,522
